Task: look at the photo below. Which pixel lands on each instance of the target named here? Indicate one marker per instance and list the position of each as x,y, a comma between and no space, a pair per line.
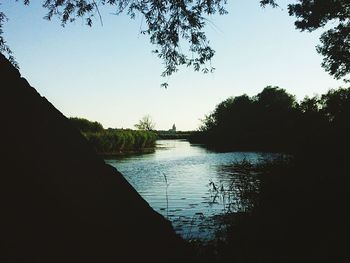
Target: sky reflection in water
177,181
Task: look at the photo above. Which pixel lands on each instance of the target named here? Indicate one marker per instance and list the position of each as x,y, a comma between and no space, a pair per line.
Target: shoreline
126,153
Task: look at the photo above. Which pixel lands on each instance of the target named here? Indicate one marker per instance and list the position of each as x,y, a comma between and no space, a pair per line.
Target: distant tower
173,129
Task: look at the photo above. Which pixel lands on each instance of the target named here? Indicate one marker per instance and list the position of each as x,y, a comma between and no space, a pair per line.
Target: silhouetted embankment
59,201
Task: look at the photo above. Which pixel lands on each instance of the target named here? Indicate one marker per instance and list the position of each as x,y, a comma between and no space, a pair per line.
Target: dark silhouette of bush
263,122
274,121
85,125
301,210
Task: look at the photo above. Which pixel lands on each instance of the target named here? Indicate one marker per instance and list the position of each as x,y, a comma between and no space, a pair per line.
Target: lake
190,185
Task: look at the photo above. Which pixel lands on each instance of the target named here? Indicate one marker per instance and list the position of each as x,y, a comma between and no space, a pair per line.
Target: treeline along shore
301,211
274,121
178,135
114,142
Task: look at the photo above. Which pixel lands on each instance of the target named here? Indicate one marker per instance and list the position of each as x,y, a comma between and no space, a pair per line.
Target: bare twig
98,12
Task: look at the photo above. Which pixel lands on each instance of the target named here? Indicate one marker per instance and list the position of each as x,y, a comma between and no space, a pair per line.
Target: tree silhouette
274,121
266,121
145,123
335,42
169,22
4,48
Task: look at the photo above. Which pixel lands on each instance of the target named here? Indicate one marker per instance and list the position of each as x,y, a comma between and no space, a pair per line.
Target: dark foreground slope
59,201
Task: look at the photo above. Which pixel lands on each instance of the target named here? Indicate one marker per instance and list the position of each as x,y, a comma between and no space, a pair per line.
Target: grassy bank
114,142
117,142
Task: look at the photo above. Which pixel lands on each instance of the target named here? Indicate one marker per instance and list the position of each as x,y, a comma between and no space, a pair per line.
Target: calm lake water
189,184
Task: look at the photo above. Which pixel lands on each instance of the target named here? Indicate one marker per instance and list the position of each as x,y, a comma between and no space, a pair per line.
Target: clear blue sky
108,73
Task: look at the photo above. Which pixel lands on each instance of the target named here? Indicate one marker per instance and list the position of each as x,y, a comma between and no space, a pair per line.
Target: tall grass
225,244
116,141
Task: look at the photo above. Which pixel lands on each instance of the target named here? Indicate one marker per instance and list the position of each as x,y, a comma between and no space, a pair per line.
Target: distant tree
146,123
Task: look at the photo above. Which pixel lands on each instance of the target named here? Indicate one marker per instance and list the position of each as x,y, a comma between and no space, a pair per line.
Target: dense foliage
177,26
274,121
167,23
335,42
300,213
85,125
114,141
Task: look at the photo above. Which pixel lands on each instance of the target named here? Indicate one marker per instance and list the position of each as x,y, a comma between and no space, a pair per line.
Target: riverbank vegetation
299,215
300,212
111,142
274,121
178,135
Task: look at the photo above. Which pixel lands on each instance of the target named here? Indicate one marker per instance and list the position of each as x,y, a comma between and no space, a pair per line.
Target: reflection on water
189,185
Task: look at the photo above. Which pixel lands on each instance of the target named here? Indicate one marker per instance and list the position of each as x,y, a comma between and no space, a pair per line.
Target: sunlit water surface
188,184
